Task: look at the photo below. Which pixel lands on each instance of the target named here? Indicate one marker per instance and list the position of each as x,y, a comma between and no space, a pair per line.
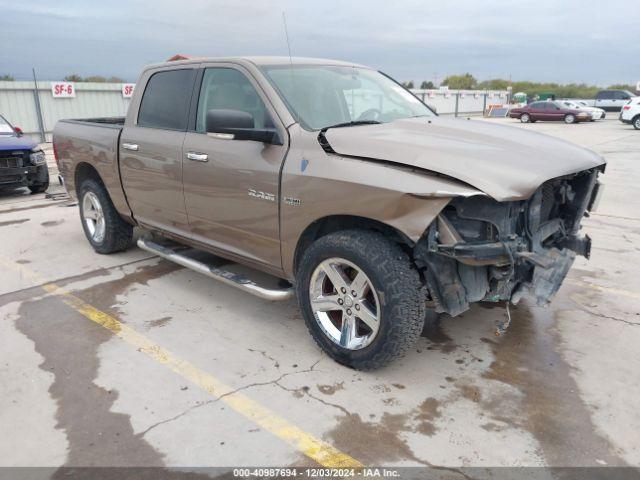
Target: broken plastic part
502,326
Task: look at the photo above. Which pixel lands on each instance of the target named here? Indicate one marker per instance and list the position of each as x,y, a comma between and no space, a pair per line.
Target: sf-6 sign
127,89
63,90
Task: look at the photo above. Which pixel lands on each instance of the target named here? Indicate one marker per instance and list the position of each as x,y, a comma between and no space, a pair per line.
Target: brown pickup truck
331,176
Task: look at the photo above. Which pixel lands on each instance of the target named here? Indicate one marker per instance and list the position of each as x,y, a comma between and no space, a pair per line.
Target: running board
230,278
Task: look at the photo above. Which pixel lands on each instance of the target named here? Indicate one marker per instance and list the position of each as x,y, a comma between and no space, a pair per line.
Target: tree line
466,81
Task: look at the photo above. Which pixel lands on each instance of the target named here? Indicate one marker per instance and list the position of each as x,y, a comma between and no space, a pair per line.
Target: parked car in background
549,111
596,113
22,162
609,100
630,113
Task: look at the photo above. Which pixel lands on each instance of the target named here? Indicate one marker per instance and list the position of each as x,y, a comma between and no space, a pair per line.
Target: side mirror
239,125
18,131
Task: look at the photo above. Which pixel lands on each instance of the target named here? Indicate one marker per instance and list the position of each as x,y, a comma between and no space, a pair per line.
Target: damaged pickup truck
334,178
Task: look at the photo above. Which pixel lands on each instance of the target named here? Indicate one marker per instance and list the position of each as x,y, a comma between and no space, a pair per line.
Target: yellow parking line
314,448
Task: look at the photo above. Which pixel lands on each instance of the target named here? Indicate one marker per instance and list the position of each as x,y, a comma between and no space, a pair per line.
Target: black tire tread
403,293
118,233
40,187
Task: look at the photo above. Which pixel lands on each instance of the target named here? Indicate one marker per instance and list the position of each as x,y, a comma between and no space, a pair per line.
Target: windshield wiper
352,124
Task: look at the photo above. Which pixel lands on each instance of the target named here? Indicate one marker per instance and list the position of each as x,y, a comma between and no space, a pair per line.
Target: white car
630,113
596,113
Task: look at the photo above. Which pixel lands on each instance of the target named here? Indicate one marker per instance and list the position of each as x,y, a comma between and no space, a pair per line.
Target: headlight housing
37,157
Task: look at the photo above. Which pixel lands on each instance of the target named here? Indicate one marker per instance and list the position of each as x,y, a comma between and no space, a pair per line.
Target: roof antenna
286,34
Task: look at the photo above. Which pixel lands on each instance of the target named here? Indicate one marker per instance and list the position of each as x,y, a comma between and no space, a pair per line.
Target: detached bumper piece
483,250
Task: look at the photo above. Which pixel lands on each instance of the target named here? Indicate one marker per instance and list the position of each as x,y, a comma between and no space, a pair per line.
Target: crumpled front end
18,168
480,249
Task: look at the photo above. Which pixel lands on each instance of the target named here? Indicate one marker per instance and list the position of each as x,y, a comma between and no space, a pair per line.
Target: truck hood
506,163
10,142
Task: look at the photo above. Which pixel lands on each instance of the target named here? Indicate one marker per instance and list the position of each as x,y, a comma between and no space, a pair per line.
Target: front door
151,151
553,112
231,187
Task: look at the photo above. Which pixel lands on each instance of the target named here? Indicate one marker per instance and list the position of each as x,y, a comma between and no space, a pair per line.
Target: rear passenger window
606,95
165,102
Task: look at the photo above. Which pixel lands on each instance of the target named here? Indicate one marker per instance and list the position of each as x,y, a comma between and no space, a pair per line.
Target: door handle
130,146
198,157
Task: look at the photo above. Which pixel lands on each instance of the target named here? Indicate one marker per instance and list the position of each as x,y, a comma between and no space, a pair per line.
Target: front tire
525,118
636,122
41,186
569,118
105,229
361,298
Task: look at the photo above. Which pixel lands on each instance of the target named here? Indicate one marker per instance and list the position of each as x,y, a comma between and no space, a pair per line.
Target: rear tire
636,122
525,118
394,294
569,118
103,226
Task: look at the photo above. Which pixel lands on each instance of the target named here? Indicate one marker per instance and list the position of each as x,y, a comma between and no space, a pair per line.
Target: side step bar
234,279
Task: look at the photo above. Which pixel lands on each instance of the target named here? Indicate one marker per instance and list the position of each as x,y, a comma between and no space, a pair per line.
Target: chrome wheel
569,119
524,118
344,303
93,216
636,123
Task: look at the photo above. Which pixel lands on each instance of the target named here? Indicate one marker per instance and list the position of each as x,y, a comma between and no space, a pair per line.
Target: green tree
427,85
95,79
74,77
465,81
114,79
7,78
493,84
622,86
408,84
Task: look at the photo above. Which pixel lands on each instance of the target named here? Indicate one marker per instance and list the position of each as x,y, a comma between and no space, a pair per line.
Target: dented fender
316,185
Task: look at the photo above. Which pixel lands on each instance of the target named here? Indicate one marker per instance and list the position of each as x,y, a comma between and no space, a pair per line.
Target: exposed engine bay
483,250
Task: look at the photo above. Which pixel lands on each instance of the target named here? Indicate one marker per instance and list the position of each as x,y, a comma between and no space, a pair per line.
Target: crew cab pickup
370,208
609,100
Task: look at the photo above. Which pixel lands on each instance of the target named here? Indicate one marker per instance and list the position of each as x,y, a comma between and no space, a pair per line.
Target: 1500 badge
295,202
262,195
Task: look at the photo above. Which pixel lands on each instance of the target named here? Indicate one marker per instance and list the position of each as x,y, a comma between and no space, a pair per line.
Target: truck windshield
323,95
5,128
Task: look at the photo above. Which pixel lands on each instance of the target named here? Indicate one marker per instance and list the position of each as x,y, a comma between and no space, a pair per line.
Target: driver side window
229,89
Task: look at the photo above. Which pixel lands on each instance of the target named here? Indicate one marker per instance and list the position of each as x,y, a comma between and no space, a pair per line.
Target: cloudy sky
592,41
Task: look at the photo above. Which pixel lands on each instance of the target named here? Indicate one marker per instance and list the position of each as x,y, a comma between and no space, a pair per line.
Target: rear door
231,187
537,111
151,150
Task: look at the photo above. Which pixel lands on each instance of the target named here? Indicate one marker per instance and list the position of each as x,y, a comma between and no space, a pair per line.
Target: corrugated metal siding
17,104
469,101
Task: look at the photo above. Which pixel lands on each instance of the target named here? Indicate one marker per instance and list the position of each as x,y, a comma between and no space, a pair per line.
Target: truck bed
94,142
